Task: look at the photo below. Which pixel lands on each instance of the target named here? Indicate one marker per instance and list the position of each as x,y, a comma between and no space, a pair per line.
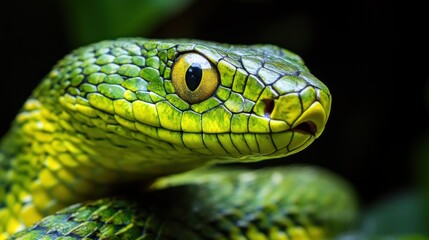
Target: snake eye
194,78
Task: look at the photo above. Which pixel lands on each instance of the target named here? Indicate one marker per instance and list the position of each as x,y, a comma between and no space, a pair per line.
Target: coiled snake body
115,117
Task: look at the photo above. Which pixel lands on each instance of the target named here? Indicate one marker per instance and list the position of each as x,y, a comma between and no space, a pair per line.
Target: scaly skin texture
215,204
110,114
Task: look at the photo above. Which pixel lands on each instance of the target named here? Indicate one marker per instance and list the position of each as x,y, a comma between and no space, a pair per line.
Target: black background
379,110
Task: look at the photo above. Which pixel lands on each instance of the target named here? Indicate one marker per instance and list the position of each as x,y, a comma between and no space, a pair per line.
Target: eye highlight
194,78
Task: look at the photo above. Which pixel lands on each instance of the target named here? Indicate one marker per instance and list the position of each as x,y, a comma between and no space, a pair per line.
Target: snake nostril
269,107
307,127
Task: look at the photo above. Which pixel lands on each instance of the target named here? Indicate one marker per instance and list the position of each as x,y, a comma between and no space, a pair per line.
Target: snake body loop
126,112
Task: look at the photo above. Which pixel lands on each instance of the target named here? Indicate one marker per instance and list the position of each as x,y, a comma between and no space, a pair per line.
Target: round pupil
193,76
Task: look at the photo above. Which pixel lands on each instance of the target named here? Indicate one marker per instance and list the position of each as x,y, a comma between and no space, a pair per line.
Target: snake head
183,99
262,100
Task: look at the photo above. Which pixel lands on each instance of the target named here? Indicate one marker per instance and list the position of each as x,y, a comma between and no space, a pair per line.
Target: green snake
92,146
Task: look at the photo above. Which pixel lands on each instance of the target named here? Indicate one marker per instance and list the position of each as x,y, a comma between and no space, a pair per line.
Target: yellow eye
194,78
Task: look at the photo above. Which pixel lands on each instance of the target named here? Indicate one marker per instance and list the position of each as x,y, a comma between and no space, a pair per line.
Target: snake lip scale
145,112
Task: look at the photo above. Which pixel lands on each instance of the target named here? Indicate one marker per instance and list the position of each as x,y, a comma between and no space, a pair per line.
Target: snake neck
49,161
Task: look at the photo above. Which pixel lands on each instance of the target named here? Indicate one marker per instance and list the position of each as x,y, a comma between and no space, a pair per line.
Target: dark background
379,113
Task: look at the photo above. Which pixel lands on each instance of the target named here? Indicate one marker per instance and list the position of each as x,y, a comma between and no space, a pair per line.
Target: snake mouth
308,127
312,121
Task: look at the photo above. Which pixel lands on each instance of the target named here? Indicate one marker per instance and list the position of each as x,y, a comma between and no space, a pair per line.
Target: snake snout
312,120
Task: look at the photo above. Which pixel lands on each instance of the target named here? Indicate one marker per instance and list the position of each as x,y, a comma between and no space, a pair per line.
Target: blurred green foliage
422,161
397,215
405,213
94,20
422,171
